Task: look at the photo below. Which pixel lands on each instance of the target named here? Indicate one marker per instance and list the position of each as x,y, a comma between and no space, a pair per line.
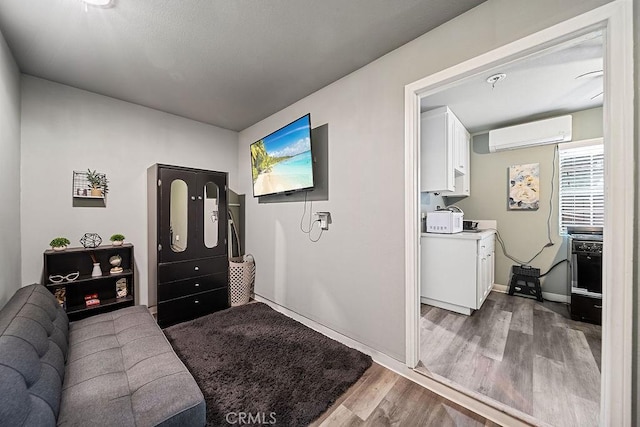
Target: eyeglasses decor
57,278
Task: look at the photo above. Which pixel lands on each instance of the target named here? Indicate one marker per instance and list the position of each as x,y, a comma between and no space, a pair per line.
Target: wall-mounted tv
282,162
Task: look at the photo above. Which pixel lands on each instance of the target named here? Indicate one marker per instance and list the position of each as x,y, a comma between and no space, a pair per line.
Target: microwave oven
444,222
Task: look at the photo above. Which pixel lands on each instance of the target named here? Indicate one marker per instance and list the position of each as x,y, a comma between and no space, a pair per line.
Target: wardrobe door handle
197,285
196,302
199,197
193,197
196,268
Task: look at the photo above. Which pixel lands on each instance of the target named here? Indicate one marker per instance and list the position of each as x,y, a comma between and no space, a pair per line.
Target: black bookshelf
71,260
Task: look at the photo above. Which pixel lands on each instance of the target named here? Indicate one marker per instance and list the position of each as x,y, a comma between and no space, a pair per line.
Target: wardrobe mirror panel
178,215
211,215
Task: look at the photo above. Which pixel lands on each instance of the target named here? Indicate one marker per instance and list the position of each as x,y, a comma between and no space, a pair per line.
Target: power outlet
325,219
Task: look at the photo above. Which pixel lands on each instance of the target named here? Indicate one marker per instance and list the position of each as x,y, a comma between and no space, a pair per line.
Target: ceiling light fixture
99,3
495,78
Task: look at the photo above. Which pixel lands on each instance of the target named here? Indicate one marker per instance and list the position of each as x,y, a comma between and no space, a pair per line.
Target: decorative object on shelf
121,288
91,300
59,243
524,187
98,183
115,261
60,294
97,271
117,239
91,240
57,278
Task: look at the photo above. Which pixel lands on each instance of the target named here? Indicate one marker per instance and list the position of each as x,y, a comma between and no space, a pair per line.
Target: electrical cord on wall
553,266
550,242
304,212
504,249
553,178
311,223
319,235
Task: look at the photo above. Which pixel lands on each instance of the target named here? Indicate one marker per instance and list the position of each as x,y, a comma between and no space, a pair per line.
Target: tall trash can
242,276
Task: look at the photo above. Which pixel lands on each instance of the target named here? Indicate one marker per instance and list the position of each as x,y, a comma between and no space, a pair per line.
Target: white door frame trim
618,115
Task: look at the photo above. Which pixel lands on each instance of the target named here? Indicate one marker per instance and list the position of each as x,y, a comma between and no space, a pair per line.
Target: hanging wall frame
89,189
524,187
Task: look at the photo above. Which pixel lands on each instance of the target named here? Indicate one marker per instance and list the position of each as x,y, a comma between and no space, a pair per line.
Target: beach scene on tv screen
282,161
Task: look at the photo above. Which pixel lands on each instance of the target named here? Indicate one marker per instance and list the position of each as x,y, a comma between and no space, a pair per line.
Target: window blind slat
581,186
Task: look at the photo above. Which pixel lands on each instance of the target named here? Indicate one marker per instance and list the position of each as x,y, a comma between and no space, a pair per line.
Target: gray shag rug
255,361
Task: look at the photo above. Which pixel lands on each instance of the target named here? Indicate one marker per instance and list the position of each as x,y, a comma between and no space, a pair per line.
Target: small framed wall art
90,184
524,187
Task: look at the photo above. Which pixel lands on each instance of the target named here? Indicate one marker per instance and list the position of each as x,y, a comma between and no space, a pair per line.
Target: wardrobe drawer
187,308
173,271
181,288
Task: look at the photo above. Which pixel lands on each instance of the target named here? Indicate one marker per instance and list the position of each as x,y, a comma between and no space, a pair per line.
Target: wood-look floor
383,398
526,354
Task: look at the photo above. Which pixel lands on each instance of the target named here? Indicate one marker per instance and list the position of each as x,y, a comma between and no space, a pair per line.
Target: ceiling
539,86
230,63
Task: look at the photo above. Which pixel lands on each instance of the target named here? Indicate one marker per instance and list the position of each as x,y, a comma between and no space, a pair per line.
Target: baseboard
546,295
499,413
451,307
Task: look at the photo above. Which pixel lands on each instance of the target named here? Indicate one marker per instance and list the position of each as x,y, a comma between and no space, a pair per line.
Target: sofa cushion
122,371
33,348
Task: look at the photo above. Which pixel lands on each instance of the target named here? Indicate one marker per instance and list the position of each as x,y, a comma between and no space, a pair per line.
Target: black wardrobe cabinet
188,260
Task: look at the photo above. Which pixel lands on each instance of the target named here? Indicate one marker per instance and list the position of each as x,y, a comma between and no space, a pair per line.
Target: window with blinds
581,186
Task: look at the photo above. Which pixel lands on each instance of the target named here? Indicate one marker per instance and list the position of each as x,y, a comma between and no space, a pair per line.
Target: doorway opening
617,113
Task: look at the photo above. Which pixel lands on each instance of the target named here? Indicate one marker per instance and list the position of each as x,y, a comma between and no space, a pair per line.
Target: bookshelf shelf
72,293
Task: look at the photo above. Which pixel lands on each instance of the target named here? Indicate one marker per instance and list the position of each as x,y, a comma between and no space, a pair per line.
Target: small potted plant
98,183
117,239
59,243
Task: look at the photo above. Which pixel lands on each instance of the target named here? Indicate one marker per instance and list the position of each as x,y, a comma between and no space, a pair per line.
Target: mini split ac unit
549,131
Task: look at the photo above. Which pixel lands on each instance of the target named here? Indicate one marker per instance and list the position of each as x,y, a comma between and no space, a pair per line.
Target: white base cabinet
457,270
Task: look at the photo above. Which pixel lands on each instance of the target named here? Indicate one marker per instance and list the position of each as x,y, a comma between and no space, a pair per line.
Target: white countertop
469,235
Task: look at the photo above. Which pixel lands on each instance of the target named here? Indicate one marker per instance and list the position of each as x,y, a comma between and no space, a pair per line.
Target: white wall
352,280
66,129
9,174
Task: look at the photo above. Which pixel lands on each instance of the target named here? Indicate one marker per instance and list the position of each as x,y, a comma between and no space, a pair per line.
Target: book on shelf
91,300
61,295
121,288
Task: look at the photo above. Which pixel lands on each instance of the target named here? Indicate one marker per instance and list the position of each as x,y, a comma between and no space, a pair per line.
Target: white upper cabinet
444,155
462,164
436,153
460,147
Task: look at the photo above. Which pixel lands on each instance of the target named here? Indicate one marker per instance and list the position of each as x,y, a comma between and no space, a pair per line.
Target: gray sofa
111,369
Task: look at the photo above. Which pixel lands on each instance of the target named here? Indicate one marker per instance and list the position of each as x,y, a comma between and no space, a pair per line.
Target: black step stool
530,282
